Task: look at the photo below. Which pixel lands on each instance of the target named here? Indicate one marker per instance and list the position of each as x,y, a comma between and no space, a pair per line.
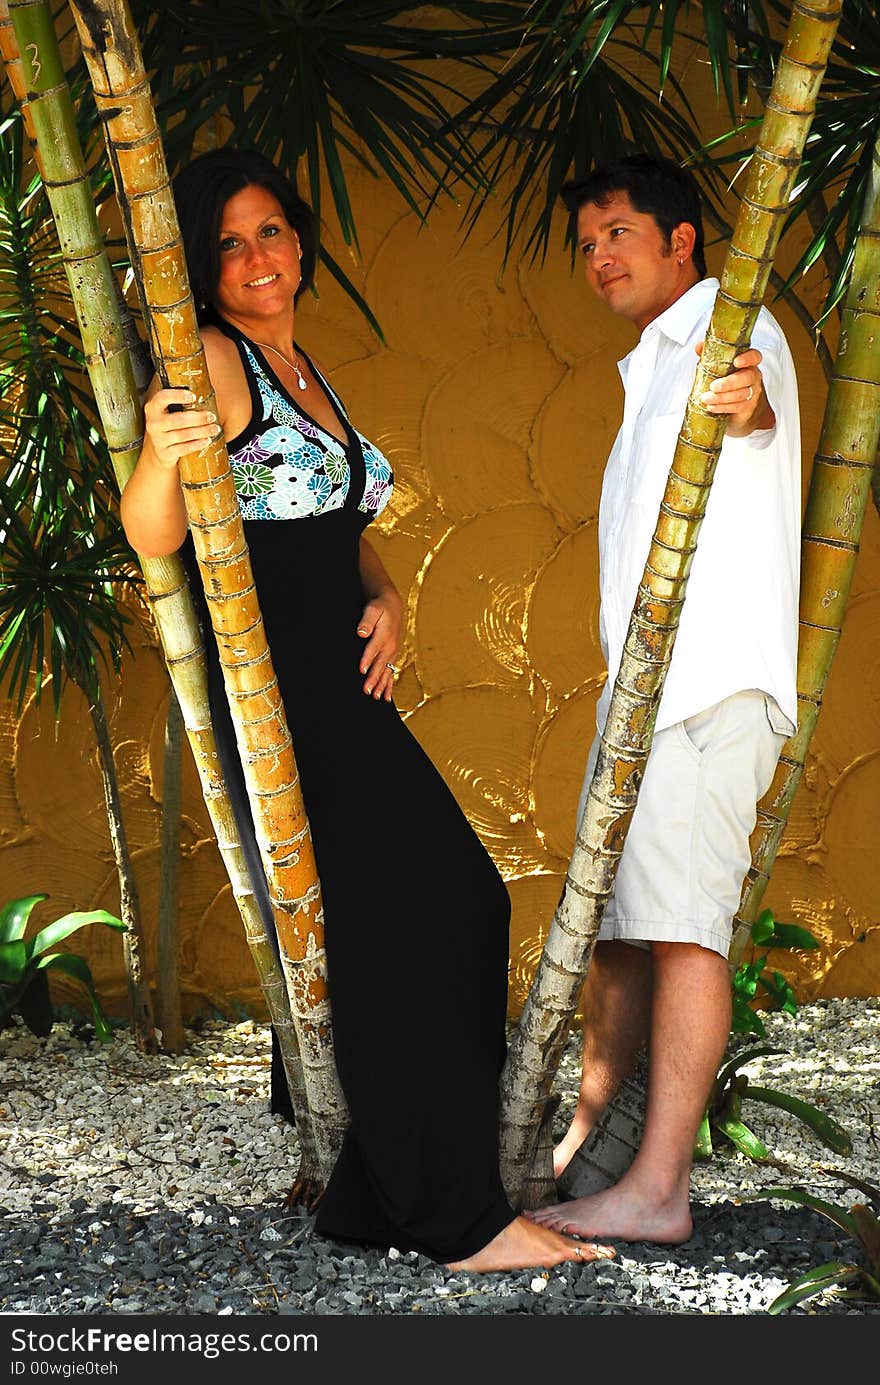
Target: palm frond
576,83
63,557
836,165
310,83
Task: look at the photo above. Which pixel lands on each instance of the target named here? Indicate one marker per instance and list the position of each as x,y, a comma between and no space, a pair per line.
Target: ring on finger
393,668
751,392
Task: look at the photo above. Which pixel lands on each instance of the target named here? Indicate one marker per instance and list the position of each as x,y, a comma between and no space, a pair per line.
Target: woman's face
259,256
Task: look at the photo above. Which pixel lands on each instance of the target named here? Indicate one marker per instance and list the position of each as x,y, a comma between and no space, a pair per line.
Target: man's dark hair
201,191
658,187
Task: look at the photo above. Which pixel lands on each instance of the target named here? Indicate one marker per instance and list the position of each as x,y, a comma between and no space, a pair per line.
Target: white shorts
687,849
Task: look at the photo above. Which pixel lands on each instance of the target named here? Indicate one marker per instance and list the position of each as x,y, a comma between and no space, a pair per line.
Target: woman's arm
381,622
152,509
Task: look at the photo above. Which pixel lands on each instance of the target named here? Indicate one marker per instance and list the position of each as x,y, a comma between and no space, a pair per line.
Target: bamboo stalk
168,1012
840,487
48,122
117,400
537,1045
133,942
134,143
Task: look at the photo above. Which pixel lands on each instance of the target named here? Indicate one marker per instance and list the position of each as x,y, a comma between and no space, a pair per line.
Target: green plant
723,1114
723,1111
24,962
766,933
861,1221
64,560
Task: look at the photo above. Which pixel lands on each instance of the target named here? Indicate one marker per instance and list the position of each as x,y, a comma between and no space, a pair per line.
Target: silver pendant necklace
301,380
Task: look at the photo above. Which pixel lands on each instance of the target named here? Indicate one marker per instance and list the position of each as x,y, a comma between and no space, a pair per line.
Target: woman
415,913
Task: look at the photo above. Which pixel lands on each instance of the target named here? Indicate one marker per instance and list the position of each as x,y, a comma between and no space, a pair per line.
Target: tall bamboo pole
169,1015
134,943
840,487
134,144
117,398
535,1051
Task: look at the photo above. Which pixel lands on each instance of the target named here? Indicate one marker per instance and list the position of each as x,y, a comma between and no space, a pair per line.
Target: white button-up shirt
739,625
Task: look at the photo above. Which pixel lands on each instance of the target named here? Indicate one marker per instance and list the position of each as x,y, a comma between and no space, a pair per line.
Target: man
659,972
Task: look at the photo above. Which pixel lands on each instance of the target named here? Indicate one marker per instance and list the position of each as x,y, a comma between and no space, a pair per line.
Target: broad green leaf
813,1282
793,936
839,1215
35,1005
829,1131
703,1142
62,928
762,929
740,1059
79,969
746,977
14,916
741,1136
744,1020
780,992
13,962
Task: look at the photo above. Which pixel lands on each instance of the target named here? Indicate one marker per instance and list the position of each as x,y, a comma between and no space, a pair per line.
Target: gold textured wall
496,397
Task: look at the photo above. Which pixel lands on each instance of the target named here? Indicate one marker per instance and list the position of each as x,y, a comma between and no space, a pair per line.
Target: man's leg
690,1023
617,1014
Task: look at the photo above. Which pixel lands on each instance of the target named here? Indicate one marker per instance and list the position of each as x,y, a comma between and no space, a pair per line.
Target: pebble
162,1182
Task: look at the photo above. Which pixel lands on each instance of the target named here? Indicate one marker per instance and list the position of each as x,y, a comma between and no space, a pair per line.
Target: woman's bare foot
620,1213
525,1245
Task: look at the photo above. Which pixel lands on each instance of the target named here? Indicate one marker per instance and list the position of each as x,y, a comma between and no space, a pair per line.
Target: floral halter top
289,467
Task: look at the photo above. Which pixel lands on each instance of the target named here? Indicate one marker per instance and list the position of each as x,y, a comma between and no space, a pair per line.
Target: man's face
628,261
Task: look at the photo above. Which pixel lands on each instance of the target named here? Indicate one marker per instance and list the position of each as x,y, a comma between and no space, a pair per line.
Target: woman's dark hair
201,191
657,187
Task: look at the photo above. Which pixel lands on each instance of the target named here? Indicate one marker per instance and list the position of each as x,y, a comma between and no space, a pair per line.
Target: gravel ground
156,1185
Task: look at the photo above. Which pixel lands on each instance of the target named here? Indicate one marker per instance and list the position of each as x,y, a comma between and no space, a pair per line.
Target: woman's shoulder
218,346
227,377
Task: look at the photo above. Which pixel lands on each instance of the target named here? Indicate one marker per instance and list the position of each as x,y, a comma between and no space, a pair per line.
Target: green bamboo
134,144
118,403
535,1051
52,125
840,487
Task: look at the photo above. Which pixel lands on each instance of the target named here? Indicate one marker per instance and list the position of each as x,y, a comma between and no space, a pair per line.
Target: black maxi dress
415,913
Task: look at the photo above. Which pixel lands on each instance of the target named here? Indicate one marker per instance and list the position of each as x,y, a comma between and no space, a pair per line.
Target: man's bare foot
524,1245
620,1213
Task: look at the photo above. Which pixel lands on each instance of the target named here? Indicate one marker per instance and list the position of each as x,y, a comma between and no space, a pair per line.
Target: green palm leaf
313,82
58,594
837,159
566,91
